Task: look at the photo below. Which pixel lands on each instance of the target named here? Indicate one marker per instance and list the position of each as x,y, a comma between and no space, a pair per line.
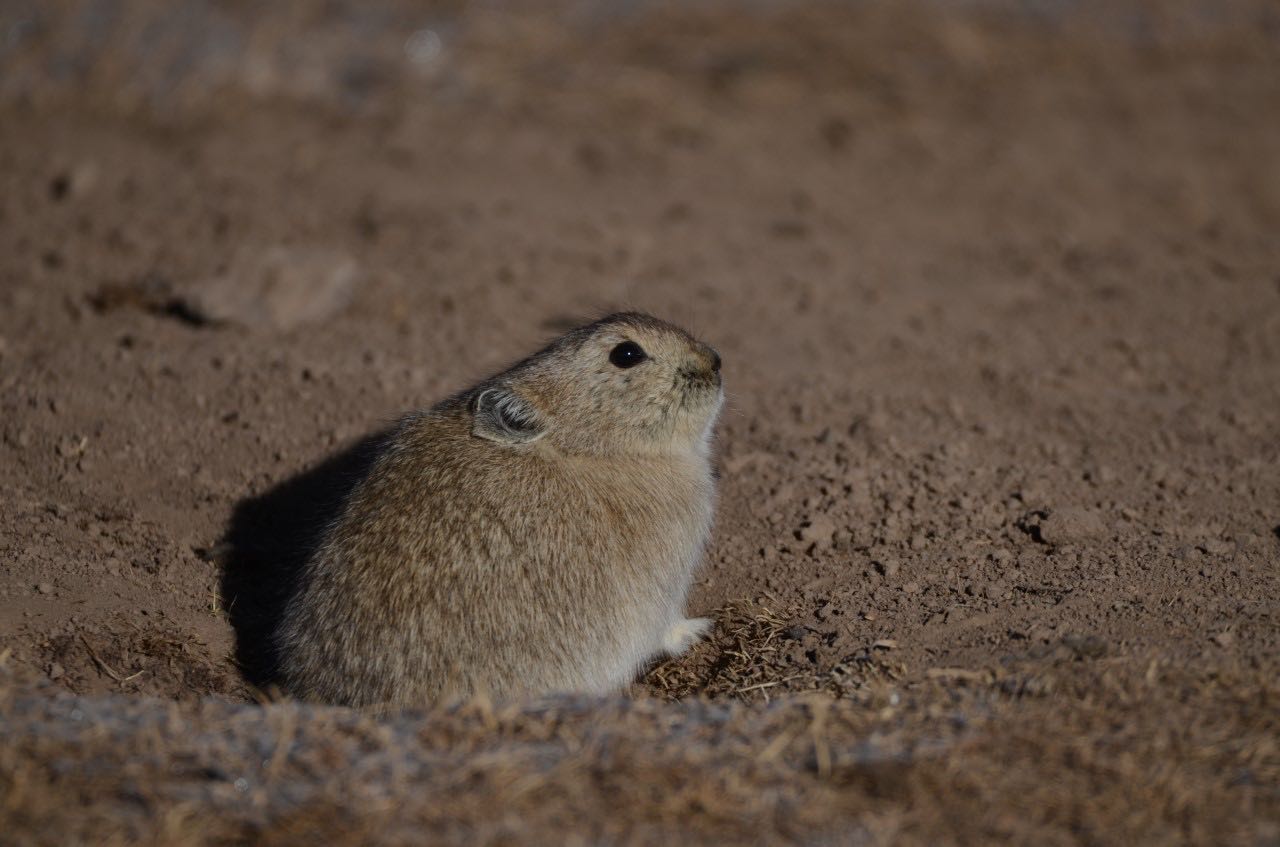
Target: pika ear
502,415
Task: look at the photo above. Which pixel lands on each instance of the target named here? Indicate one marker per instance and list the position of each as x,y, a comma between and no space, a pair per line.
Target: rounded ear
502,415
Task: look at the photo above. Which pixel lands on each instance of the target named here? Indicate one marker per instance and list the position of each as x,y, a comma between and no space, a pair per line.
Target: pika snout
703,364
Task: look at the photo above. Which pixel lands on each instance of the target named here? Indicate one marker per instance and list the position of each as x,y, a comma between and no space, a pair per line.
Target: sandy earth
997,288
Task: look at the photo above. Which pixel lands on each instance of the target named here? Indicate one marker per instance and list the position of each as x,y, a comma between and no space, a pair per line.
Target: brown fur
535,533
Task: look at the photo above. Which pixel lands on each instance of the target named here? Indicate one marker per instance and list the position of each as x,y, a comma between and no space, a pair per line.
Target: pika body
535,533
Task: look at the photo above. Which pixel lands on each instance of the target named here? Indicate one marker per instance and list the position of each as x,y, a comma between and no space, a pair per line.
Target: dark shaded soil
998,293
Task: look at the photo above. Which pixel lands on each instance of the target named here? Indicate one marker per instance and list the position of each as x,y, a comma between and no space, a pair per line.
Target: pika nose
715,360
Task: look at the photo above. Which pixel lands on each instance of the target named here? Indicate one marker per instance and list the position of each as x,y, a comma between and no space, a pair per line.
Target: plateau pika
535,533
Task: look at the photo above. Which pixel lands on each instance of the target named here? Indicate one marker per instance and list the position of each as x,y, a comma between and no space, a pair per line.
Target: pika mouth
698,378
695,397
694,390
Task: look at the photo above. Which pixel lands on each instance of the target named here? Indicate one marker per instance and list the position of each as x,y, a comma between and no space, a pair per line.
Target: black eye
628,354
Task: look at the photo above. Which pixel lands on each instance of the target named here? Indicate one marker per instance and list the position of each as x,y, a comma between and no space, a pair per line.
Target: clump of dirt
998,545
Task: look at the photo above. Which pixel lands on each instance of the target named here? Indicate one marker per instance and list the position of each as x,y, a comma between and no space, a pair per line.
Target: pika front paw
682,635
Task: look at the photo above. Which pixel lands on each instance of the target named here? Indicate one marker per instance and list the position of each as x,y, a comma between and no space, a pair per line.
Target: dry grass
1098,752
745,658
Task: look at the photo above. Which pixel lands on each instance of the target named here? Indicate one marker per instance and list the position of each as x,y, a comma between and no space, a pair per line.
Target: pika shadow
269,540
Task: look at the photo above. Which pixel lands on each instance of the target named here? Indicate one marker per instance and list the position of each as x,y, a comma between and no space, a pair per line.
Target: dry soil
997,288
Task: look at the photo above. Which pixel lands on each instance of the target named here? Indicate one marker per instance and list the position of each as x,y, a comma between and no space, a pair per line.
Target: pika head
628,383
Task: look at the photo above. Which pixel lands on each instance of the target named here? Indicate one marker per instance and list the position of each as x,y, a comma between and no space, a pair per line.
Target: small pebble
1085,646
818,531
1216,547
1072,524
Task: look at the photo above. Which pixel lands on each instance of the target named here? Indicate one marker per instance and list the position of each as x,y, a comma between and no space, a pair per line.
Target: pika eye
628,354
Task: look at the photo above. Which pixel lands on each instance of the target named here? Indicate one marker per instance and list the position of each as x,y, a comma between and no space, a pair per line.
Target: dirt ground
997,288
